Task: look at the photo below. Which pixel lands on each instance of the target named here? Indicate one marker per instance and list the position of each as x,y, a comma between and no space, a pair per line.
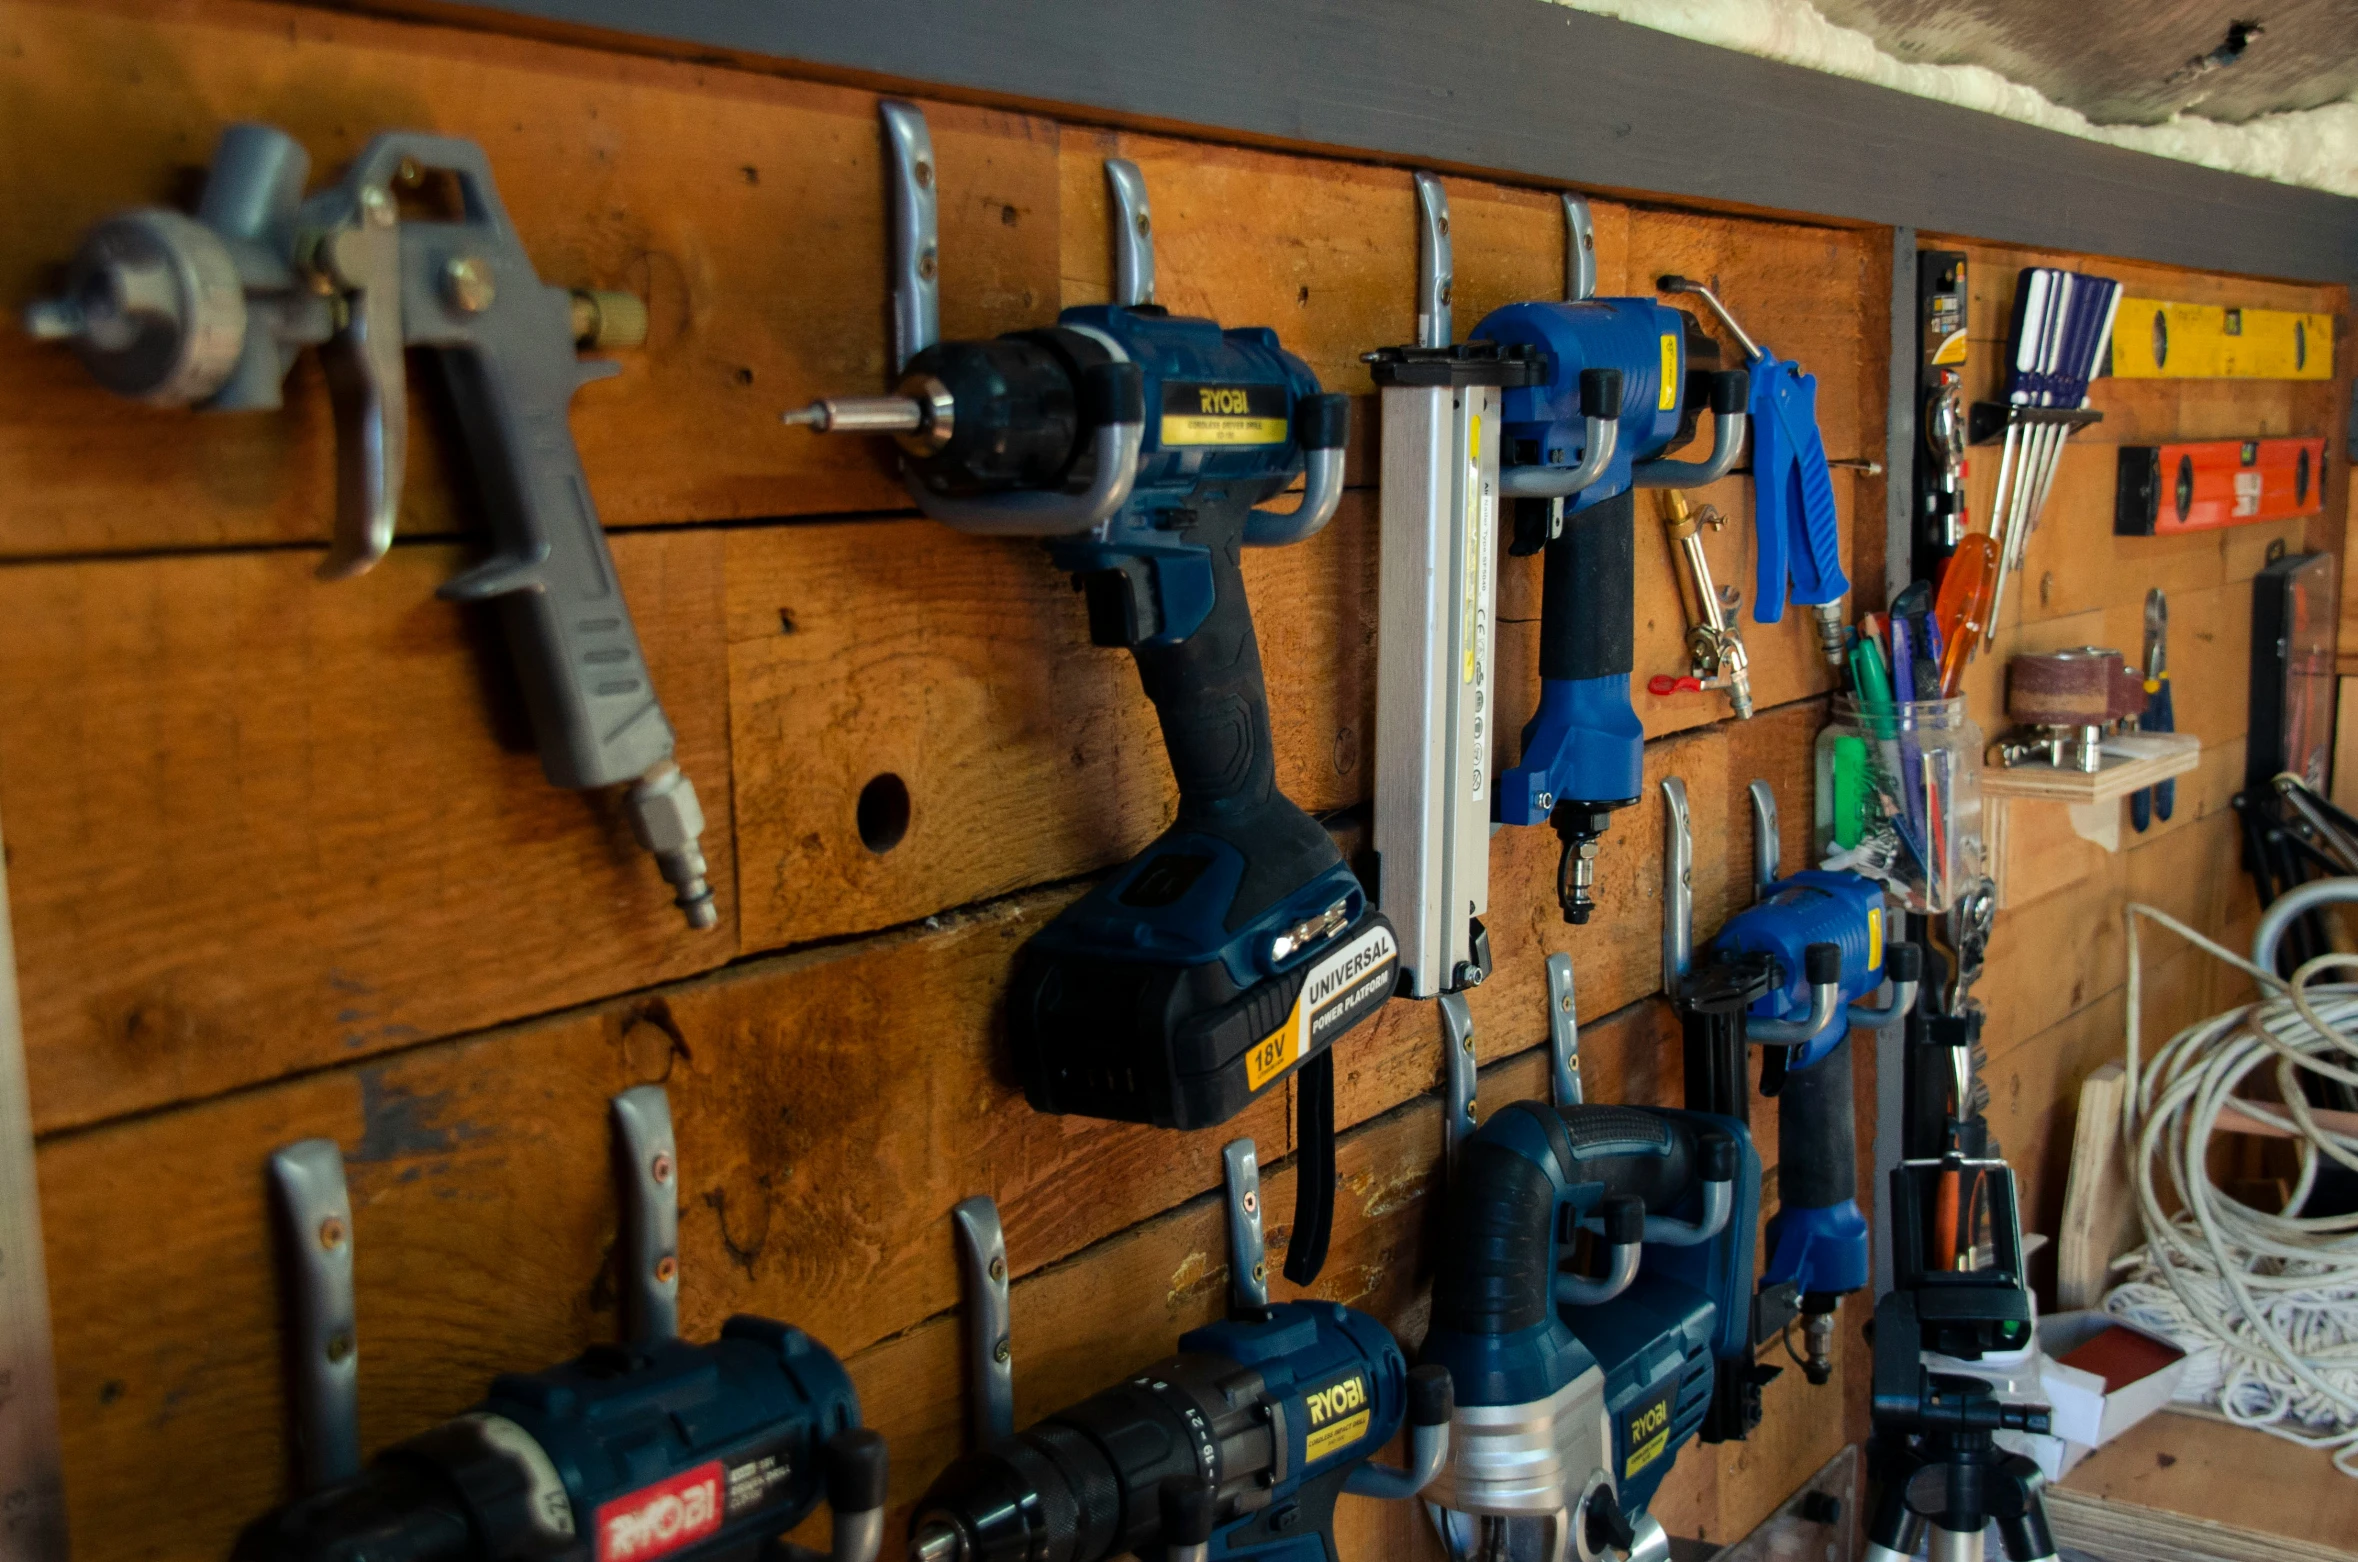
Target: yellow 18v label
1339,989
1195,413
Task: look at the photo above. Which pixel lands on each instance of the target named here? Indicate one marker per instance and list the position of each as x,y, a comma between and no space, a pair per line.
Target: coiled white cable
2265,1304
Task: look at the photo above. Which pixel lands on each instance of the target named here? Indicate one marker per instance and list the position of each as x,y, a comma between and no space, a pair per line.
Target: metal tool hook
1248,1258
1133,233
990,1348
916,231
1766,848
314,1212
1563,1032
1457,1062
1435,273
1678,887
1580,250
646,1163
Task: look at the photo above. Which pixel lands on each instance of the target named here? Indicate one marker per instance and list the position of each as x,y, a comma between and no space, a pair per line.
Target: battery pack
2214,483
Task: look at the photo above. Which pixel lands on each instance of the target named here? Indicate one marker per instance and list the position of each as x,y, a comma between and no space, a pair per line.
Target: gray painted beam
1899,422
1525,88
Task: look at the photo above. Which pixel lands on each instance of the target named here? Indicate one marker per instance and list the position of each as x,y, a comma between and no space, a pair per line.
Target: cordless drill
1626,380
624,1454
1236,1446
212,312
1238,946
1575,1392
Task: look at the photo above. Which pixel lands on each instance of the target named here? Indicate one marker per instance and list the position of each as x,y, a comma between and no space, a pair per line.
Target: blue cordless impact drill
1790,973
1575,1392
624,1454
1235,1447
1626,381
1139,444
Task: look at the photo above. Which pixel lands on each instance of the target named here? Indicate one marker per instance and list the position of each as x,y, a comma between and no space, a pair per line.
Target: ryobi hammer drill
1237,1446
1238,946
1626,381
1574,1394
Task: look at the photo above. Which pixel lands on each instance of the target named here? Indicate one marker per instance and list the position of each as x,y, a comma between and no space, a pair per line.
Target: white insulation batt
2315,147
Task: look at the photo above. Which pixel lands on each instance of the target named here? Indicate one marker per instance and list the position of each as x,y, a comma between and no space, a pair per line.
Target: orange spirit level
2165,489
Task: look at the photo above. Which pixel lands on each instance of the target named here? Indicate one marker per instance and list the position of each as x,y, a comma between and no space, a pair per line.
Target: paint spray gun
1624,382
1791,973
212,311
1237,1446
1140,445
1578,1384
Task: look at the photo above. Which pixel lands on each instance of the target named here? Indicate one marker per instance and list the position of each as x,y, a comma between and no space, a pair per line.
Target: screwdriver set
2061,333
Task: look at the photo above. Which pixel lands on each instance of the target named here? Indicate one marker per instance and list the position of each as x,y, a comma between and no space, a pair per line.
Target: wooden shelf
2132,762
2178,1467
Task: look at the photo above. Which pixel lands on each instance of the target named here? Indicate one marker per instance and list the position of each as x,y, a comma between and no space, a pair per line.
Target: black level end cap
1730,390
1822,964
1188,1505
1624,1219
1600,393
856,1470
1719,1158
1904,963
1432,1396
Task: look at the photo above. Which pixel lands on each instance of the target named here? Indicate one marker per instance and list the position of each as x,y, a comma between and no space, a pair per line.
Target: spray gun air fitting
211,312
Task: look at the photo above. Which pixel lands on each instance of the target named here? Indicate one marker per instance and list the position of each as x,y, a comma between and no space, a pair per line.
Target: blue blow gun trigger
1800,535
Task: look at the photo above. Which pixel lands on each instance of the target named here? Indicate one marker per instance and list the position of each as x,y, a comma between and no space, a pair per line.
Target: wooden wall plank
258,823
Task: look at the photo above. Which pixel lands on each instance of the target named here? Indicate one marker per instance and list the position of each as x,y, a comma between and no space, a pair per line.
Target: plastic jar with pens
1899,797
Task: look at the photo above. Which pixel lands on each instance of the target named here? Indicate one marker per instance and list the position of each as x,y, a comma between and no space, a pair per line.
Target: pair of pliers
2159,799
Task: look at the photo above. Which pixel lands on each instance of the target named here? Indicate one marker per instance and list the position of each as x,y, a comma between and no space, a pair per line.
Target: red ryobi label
657,1520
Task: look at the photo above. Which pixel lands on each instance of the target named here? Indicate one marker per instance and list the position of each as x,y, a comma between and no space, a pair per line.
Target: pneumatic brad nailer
212,311
1791,974
1624,382
1140,444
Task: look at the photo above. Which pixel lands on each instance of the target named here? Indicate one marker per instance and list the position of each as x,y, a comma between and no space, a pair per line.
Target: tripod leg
1893,1532
1954,1545
2025,1533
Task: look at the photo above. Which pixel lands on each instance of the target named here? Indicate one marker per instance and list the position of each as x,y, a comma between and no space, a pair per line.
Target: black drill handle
1817,1134
1588,593
1208,694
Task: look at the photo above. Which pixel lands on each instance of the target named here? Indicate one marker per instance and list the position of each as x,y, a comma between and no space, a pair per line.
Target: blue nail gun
1575,1392
1800,536
1626,381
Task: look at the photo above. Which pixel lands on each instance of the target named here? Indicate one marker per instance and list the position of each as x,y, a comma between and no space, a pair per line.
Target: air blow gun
1140,444
1798,554
1791,973
212,311
1236,1447
1575,1391
1624,382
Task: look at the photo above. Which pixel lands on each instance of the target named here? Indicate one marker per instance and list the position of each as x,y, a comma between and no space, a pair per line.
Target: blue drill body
1805,908
1269,1417
1641,1359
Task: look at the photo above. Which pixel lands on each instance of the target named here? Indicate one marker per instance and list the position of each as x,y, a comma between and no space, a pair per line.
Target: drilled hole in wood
883,813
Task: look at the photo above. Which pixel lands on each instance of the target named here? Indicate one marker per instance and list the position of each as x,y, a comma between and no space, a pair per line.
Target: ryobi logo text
1198,414
1339,1415
657,1520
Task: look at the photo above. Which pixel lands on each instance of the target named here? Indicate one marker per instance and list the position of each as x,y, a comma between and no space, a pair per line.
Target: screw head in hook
667,1269
924,173
1252,1203
331,1233
999,1271
660,1167
928,265
339,1347
1003,1352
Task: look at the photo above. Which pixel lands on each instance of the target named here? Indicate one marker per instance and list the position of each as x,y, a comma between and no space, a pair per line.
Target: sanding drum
2070,698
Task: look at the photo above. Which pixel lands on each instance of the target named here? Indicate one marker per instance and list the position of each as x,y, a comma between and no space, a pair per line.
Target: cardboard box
2102,1376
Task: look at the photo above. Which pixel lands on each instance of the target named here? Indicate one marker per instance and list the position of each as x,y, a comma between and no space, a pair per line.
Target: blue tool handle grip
1587,592
1817,1137
2163,718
